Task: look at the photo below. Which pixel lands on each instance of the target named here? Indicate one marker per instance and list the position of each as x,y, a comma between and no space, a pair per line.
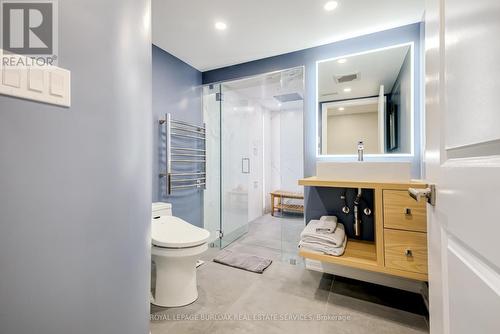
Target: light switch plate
57,83
11,78
48,84
36,80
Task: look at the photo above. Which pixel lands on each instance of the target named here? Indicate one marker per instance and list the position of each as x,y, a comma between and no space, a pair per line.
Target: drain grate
293,262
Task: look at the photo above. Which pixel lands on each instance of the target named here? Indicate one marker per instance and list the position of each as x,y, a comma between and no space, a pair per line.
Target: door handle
245,165
429,193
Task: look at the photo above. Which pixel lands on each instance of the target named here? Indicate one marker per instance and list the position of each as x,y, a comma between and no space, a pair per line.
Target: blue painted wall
176,90
75,183
308,58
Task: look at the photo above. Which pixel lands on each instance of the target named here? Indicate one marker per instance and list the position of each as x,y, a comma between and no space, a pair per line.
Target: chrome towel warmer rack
184,155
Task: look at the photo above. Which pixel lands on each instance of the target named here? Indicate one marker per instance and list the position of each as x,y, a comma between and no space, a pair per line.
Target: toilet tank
161,209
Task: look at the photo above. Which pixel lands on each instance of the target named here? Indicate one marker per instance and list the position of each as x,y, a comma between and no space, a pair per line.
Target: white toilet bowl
176,246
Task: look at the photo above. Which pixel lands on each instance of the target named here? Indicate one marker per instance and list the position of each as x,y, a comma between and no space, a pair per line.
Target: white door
463,159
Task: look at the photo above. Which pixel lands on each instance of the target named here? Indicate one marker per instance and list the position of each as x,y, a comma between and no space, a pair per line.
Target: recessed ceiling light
342,61
220,25
347,90
341,109
330,5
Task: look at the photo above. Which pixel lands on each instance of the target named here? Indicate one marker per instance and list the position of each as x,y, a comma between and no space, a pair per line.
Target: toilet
176,246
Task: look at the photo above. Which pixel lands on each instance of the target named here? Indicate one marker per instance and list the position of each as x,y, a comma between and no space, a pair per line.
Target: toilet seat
173,232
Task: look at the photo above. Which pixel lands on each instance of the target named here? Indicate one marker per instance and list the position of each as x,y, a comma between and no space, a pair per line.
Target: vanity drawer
406,250
404,213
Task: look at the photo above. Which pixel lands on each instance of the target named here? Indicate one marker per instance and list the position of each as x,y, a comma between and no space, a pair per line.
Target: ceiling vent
346,78
288,97
329,94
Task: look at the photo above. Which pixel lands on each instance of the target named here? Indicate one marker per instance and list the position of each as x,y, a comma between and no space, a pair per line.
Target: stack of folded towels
325,235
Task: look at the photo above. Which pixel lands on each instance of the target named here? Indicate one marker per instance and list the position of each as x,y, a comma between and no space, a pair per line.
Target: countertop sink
365,171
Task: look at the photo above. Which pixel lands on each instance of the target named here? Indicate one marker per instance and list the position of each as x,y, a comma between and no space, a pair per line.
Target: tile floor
275,237
286,298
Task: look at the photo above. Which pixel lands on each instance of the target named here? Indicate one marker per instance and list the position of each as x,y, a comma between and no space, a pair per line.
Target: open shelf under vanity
357,253
399,247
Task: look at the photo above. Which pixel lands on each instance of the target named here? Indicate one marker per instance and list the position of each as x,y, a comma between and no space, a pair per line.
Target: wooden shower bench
281,205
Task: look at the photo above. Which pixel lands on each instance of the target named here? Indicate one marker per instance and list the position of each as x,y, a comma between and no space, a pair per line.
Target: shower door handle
245,165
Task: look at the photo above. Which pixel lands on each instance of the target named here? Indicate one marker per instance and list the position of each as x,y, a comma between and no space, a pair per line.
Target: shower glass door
212,194
236,164
228,120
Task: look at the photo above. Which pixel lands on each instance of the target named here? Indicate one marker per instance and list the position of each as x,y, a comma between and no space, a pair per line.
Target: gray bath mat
243,261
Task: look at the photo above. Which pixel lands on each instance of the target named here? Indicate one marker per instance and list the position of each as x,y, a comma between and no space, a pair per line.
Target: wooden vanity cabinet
405,232
400,246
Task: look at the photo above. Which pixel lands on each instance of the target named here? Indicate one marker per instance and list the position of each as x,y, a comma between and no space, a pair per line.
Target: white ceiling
263,28
374,69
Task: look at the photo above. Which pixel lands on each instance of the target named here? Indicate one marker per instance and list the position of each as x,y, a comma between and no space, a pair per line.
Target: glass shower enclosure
228,165
238,117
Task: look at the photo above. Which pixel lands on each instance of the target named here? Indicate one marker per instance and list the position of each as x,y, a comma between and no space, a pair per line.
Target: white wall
344,132
268,159
291,151
275,146
256,154
285,142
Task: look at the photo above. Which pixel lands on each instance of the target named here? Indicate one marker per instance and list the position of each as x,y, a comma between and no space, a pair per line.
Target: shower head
283,98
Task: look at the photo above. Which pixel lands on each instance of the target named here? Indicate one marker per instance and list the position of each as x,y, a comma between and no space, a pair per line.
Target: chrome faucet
361,148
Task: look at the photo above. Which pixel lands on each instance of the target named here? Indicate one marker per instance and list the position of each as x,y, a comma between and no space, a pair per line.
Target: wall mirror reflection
366,97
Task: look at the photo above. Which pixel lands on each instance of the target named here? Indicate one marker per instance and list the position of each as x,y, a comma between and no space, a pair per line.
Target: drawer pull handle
408,211
408,253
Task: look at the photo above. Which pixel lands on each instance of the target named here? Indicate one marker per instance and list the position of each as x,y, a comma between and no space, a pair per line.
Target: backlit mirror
366,97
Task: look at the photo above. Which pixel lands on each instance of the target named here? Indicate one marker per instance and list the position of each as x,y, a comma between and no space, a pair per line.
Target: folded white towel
328,224
334,239
323,248
328,218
